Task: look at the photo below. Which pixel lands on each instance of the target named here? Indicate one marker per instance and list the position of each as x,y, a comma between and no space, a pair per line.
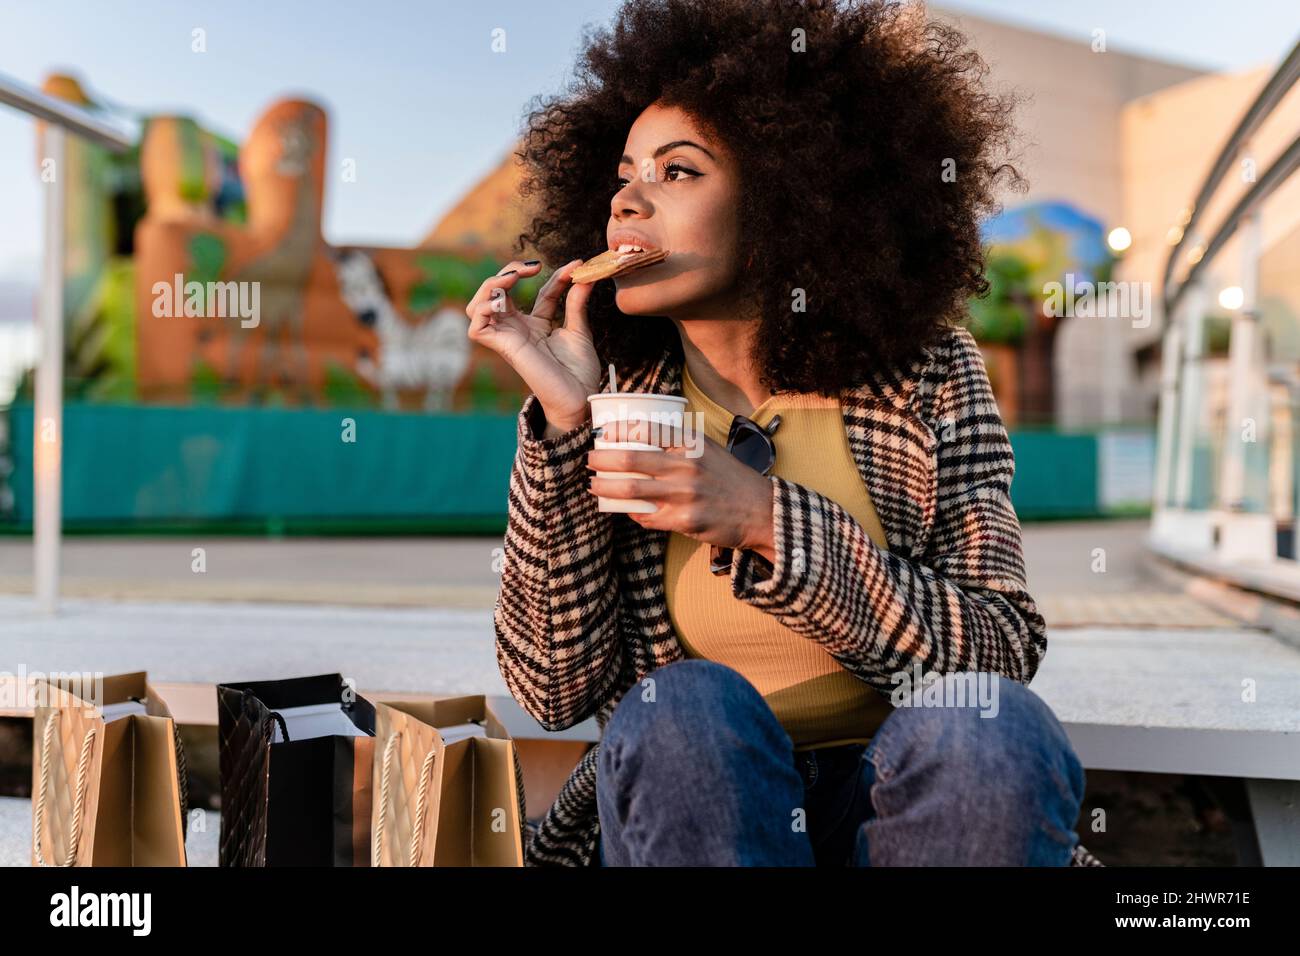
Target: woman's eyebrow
673,145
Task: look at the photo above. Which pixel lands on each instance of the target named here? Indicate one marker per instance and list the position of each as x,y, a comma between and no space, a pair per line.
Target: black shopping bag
296,767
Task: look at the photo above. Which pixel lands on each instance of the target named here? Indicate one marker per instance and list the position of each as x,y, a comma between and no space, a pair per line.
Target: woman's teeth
628,247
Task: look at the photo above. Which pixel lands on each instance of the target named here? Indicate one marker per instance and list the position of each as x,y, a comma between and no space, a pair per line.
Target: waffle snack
613,263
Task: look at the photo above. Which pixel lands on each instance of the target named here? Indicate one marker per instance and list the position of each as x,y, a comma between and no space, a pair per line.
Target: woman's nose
629,201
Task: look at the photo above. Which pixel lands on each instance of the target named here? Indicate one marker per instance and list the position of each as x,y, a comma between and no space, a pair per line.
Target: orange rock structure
225,286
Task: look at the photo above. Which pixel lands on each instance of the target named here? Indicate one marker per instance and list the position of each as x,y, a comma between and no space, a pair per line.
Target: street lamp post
47,424
61,119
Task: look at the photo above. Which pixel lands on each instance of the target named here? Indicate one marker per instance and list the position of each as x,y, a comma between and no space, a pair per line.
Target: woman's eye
672,172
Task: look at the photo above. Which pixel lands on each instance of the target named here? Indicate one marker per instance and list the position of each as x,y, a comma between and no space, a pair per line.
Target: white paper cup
662,411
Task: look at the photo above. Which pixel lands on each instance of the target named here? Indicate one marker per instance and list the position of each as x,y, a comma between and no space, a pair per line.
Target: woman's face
676,190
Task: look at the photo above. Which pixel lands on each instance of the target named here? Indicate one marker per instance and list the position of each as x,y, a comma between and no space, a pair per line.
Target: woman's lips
627,237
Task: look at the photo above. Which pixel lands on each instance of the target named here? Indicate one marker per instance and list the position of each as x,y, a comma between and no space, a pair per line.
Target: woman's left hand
701,490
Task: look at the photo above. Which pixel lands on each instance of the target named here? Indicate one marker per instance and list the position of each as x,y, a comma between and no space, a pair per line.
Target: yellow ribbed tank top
817,701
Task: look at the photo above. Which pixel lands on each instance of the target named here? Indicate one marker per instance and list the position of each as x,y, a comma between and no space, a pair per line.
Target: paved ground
1082,573
407,561
412,572
1061,559
436,651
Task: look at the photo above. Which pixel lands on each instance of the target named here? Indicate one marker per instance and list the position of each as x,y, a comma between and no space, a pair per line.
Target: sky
416,95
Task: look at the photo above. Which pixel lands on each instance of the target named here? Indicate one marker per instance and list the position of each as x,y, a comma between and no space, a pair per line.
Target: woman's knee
694,696
990,728
1033,723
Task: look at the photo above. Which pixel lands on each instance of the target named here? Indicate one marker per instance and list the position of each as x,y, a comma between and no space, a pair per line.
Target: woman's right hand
559,365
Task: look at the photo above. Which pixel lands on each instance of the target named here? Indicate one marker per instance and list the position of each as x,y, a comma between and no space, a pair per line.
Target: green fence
254,469
1056,475
258,470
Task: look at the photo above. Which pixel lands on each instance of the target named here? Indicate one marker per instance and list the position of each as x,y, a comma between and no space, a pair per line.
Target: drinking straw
613,381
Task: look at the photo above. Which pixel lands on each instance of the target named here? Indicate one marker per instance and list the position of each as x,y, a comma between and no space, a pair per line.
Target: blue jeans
696,770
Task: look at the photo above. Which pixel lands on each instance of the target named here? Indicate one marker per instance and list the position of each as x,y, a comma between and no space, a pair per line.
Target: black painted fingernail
502,275
533,262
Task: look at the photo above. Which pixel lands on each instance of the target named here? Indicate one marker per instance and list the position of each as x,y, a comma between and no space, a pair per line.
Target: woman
817,173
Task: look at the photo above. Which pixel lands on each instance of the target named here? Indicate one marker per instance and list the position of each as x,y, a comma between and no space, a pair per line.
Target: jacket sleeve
962,606
557,614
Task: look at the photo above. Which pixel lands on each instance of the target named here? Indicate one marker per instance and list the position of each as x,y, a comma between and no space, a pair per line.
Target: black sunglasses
752,444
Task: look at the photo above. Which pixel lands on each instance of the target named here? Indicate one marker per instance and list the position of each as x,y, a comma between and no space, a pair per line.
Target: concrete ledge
1225,679
1249,754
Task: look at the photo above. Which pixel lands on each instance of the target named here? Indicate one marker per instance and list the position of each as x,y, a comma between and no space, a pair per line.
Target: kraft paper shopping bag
447,783
108,771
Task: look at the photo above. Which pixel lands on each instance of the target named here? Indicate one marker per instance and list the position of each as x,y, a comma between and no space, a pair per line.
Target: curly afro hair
869,153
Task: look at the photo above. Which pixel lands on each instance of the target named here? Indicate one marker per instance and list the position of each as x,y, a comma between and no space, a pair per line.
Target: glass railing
1227,486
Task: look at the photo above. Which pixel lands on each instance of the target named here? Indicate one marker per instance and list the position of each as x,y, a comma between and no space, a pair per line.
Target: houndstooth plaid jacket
581,616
